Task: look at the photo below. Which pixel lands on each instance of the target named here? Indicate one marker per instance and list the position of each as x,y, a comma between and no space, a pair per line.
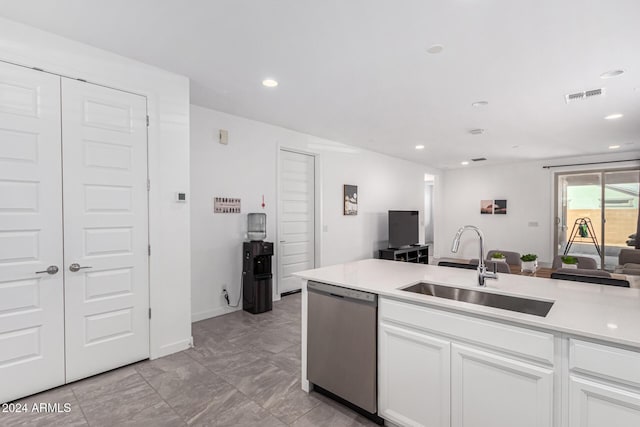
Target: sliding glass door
596,212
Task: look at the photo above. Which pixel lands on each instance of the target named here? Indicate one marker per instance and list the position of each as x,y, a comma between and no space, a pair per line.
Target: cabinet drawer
605,361
530,344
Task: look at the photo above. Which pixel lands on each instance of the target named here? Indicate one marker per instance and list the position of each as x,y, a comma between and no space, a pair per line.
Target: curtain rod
591,163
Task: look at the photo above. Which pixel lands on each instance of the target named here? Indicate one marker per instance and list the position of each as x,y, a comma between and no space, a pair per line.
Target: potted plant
498,257
529,262
569,262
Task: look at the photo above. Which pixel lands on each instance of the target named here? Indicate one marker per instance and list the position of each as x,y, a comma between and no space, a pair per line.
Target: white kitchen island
443,362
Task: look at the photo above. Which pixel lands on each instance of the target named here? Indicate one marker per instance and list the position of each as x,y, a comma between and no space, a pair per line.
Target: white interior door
104,136
296,228
31,300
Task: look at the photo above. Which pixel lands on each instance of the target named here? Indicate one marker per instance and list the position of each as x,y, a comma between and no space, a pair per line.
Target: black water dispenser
257,278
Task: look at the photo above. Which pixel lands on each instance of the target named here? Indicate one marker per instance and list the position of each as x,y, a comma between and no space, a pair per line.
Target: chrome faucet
482,268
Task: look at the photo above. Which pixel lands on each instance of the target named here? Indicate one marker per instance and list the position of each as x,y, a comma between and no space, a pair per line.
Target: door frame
165,91
317,208
60,75
601,170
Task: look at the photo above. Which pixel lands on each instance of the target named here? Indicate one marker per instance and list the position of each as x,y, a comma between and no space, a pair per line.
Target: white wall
529,191
247,168
168,106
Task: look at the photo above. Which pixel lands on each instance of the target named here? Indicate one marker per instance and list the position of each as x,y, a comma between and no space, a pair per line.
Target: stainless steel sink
505,302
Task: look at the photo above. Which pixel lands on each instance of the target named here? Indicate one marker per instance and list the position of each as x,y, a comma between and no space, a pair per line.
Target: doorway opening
429,192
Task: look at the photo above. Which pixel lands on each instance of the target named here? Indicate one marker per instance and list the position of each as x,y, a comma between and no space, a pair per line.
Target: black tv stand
414,253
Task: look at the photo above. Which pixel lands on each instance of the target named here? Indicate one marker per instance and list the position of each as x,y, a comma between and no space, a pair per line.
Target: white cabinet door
497,391
296,228
31,303
414,372
104,136
594,405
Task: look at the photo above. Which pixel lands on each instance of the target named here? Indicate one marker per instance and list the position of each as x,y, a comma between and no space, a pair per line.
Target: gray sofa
583,262
599,277
629,262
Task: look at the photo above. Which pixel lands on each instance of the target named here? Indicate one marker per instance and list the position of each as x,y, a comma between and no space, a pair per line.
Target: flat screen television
403,228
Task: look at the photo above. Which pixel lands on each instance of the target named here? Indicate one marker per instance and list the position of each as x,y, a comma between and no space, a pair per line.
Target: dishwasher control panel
339,291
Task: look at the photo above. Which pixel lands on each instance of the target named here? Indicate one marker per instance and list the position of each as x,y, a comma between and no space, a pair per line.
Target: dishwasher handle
340,292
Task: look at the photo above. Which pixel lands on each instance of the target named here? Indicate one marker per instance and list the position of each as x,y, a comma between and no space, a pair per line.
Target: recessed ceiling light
614,147
465,163
611,74
436,48
612,326
269,83
613,116
419,147
476,131
480,104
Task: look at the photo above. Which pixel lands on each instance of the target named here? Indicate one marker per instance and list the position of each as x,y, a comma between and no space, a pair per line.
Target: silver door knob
76,267
52,269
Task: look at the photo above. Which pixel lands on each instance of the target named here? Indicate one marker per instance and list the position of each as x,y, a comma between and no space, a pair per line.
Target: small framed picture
350,199
500,207
486,207
226,205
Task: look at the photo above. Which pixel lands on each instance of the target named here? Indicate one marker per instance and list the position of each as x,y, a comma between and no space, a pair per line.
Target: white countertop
606,313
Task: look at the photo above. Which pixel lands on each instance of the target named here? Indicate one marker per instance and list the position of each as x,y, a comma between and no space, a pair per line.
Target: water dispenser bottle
257,226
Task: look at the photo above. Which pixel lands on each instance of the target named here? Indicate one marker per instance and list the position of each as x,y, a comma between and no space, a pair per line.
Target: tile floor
243,371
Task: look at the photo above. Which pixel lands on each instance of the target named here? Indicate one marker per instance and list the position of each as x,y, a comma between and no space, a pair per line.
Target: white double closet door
74,292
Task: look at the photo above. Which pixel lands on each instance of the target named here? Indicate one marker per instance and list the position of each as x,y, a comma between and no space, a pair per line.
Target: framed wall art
350,199
493,207
226,205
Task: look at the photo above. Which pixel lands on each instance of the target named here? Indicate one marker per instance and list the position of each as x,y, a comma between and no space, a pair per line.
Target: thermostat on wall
181,197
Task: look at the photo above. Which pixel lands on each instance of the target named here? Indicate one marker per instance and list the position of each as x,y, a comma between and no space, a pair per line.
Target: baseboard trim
295,291
171,348
207,314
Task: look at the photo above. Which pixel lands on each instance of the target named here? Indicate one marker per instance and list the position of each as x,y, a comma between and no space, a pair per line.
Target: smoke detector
476,131
587,94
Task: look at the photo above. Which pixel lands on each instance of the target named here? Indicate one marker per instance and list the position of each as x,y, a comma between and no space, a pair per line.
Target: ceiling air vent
593,92
583,95
479,159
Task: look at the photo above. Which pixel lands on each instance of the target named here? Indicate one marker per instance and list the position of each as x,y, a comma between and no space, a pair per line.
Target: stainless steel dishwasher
342,343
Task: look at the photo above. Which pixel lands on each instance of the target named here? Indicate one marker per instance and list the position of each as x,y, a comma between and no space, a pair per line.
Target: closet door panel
31,299
106,231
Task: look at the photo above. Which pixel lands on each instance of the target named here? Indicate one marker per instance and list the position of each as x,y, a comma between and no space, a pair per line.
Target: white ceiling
357,71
